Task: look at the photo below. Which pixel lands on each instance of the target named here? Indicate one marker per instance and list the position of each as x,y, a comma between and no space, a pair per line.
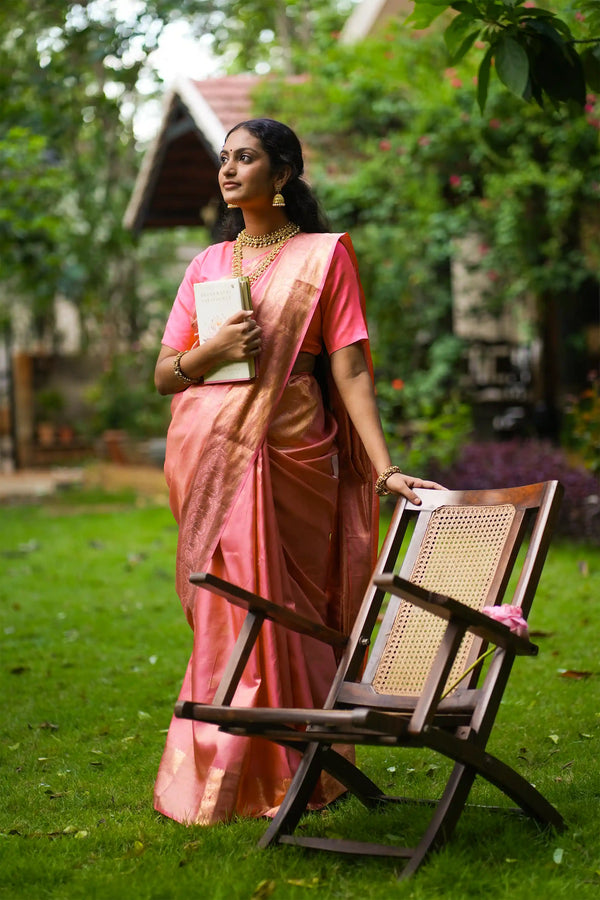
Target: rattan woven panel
459,557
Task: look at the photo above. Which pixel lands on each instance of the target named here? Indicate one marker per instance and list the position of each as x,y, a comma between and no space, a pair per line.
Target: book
217,301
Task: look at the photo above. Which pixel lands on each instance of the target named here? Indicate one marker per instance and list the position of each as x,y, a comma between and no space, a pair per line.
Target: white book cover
217,301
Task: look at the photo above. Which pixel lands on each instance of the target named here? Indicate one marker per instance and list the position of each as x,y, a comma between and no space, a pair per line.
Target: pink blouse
337,322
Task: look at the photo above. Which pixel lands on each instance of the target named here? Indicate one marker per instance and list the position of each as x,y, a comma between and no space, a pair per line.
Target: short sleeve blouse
338,319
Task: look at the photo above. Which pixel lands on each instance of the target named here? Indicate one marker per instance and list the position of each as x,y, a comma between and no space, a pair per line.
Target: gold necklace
265,240
263,265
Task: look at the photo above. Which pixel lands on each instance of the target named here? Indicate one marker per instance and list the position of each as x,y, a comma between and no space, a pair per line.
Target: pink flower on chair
508,615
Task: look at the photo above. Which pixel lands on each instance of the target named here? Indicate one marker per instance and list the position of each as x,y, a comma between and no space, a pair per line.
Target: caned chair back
465,548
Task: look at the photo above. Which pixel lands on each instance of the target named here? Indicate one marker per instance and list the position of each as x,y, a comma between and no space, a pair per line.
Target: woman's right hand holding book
238,338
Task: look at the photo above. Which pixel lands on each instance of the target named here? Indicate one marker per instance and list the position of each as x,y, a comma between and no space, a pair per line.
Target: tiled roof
178,176
229,97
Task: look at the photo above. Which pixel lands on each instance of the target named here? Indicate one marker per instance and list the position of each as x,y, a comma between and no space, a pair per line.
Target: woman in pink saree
271,486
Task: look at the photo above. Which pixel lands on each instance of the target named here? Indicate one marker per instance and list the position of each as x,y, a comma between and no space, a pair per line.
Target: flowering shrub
583,424
511,463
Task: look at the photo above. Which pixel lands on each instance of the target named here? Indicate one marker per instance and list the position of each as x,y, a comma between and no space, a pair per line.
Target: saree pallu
252,486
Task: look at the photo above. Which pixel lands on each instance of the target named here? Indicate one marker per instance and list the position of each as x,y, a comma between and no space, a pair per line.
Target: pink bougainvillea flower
455,181
385,145
456,83
580,16
397,384
508,615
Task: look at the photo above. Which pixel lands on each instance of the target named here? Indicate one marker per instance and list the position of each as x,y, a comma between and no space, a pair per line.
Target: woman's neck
265,223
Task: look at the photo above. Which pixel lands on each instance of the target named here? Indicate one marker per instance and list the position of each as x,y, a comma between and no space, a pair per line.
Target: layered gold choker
265,240
278,238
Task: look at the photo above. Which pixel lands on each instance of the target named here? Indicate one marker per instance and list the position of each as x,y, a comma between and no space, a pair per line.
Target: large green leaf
483,78
459,36
590,59
512,64
424,14
557,68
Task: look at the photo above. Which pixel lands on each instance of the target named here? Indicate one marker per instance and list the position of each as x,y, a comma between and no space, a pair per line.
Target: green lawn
94,645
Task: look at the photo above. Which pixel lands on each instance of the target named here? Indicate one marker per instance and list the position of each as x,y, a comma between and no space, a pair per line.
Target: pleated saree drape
251,473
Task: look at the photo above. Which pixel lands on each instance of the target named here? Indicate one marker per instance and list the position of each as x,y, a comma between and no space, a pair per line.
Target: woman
272,488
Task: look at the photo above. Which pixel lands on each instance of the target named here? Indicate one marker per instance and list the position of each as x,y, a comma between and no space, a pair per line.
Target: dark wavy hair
283,149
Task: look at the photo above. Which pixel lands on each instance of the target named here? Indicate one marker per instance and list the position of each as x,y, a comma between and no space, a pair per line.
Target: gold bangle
380,484
177,369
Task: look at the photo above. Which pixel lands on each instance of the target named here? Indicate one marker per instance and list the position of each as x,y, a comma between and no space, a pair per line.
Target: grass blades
94,646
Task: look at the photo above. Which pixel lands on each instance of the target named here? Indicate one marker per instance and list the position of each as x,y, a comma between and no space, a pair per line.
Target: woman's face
245,177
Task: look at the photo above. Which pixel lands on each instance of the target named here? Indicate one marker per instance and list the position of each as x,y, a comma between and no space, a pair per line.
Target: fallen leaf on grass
263,889
192,845
135,851
573,673
557,856
304,882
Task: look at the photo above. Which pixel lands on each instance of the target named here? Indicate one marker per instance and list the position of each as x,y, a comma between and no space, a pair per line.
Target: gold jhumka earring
278,199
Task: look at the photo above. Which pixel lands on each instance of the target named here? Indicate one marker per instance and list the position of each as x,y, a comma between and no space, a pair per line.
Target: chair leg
297,796
351,777
454,799
505,778
316,759
443,822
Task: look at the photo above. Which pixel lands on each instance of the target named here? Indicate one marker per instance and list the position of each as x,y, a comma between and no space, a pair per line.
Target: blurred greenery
94,647
520,184
400,155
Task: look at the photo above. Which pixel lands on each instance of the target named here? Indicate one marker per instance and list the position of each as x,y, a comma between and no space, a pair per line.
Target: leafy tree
31,230
267,33
533,50
69,90
428,170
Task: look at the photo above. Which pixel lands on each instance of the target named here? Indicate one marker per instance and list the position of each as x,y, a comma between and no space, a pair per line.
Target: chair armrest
268,610
448,608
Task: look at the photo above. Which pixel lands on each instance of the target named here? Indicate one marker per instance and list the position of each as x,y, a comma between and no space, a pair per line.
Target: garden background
403,157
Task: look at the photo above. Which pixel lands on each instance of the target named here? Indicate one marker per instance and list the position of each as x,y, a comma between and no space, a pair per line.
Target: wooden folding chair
441,563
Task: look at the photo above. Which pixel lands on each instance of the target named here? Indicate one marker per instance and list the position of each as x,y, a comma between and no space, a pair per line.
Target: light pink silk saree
251,474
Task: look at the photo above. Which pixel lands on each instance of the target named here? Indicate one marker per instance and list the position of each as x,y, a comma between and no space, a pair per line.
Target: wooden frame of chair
361,708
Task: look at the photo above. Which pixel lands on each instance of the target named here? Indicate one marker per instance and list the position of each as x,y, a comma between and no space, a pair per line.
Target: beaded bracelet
380,484
179,373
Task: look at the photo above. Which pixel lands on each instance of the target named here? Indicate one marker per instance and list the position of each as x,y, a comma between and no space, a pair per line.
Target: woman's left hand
402,484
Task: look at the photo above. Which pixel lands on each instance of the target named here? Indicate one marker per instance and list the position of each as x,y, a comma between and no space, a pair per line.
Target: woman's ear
283,176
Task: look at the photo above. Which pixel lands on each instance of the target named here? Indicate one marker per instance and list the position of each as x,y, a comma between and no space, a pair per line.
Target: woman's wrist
179,372
381,482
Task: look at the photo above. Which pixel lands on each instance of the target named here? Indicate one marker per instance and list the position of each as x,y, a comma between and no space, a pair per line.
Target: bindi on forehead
242,140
